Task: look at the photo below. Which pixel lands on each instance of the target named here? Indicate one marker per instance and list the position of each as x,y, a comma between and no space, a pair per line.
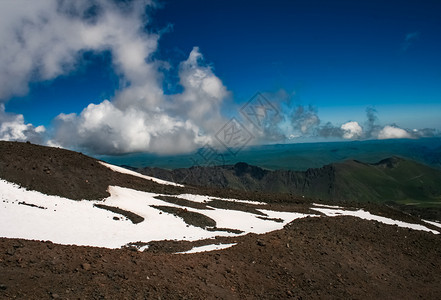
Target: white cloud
392,132
104,128
203,93
128,124
46,38
351,130
42,40
14,128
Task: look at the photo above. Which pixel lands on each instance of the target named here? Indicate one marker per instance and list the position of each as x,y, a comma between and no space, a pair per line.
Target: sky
169,77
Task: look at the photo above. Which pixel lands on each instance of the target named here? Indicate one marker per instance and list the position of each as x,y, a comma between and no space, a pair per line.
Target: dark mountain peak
347,163
241,166
326,170
358,162
390,162
242,169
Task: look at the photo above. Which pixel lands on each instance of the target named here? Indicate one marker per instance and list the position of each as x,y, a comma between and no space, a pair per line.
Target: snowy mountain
133,217
69,199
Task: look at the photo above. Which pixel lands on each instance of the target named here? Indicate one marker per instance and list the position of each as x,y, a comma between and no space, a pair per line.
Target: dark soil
236,231
169,246
189,217
183,202
66,173
271,219
31,205
330,258
235,206
128,214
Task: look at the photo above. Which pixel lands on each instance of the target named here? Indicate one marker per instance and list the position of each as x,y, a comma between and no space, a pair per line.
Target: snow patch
362,214
205,198
433,223
207,248
327,206
133,173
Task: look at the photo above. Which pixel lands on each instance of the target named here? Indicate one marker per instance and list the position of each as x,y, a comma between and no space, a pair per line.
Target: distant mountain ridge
297,156
392,179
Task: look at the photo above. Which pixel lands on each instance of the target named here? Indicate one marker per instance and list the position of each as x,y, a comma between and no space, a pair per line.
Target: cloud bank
296,122
43,40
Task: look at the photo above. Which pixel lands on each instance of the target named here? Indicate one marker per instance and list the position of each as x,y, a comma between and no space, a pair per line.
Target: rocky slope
330,258
314,257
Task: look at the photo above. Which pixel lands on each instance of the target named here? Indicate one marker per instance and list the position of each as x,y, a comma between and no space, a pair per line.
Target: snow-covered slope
33,215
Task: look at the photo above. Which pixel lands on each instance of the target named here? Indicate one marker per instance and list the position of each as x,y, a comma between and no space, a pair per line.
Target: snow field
66,221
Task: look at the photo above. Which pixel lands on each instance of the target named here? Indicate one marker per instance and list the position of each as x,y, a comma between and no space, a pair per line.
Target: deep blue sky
339,56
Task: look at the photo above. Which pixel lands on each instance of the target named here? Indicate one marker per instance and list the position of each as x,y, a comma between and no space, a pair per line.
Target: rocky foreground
336,258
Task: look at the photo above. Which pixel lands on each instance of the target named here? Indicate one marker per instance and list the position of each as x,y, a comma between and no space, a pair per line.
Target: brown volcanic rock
335,258
65,173
53,171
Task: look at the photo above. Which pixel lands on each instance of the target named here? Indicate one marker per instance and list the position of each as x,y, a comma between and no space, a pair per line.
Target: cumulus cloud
392,132
352,130
203,93
44,39
177,123
104,128
14,128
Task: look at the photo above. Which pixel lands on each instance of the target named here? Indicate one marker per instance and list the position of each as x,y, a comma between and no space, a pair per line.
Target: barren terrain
311,257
